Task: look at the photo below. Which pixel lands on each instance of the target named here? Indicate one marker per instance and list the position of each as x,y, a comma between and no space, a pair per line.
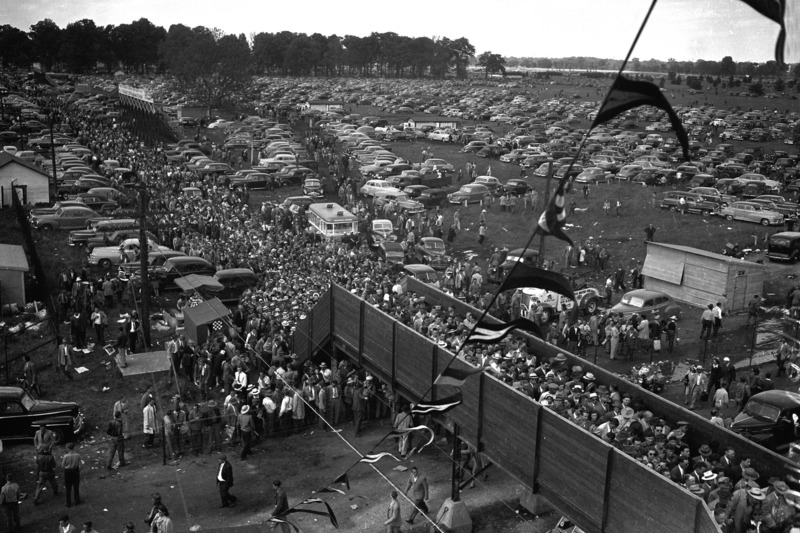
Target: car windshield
762,410
633,301
434,245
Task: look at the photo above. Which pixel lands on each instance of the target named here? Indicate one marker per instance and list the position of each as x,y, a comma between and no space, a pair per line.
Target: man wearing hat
246,427
778,511
672,331
744,504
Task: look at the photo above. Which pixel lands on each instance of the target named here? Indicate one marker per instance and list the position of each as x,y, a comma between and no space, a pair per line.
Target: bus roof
331,211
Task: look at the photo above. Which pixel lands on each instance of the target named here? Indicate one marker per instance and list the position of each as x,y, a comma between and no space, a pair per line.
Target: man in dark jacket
281,506
225,482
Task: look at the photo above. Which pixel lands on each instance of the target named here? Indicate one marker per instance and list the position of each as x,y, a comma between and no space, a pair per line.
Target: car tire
58,435
764,222
729,217
105,264
673,208
46,228
705,212
591,306
80,244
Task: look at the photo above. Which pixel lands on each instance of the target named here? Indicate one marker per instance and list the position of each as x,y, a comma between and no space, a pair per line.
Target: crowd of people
250,387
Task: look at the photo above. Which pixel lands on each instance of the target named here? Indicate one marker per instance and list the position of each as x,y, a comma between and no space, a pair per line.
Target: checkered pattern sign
217,325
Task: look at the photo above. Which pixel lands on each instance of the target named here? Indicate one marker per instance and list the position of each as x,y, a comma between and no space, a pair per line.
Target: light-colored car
648,303
440,164
752,176
382,230
220,124
402,201
69,217
471,193
751,212
126,252
593,175
373,186
491,183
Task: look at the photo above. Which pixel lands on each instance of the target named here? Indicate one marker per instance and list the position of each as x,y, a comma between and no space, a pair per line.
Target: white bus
332,221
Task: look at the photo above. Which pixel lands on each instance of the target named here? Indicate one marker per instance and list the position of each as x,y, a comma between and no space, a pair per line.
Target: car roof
391,246
779,398
644,293
10,393
431,239
187,259
417,268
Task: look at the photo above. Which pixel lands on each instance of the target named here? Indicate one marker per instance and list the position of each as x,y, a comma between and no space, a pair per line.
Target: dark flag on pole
486,333
457,376
775,10
528,276
627,94
437,406
552,220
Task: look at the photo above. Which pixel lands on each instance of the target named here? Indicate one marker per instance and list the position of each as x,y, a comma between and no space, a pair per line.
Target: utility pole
143,253
546,203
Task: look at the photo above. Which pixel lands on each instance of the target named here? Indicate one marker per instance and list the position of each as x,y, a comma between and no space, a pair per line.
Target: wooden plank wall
301,339
579,474
701,430
321,320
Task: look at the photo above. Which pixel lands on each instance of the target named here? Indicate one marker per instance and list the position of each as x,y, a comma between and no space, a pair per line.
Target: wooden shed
13,266
698,277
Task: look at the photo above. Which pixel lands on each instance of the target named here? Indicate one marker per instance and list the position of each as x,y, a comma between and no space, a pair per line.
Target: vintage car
126,252
431,251
771,419
751,212
21,415
380,231
553,303
646,302
470,193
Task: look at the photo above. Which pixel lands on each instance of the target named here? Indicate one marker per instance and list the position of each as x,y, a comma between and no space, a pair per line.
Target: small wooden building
32,183
698,277
13,266
199,319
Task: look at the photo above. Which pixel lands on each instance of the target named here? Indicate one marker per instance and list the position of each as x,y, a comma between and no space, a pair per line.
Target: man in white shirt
717,312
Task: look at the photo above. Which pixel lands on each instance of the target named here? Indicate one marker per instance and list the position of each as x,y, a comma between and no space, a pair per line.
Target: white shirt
286,405
219,475
269,405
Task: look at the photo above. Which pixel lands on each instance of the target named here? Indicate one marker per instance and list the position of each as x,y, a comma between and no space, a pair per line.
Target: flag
437,406
403,431
552,220
456,376
328,488
344,478
275,521
375,457
308,501
529,276
775,10
627,94
486,333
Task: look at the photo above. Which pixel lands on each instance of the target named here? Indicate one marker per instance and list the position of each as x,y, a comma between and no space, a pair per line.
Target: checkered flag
217,325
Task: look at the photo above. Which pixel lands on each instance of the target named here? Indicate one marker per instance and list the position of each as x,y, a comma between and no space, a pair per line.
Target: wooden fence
597,486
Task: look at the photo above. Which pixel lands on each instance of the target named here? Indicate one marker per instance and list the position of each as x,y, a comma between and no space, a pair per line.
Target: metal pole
595,354
546,203
454,489
143,247
54,195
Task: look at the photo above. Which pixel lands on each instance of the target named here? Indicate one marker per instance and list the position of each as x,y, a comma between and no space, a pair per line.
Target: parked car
252,181
373,186
234,282
751,212
402,202
381,230
125,252
711,194
646,302
21,415
431,251
784,246
312,187
692,203
110,238
423,273
70,217
176,267
392,252
491,183
515,186
470,193
593,175
770,418
97,203
432,198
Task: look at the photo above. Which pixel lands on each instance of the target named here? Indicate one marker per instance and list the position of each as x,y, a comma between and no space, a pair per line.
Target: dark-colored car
514,186
431,251
770,419
392,252
784,246
176,267
643,301
21,415
432,198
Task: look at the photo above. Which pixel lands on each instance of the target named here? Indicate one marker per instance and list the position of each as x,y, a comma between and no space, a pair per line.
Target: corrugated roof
704,253
6,158
12,257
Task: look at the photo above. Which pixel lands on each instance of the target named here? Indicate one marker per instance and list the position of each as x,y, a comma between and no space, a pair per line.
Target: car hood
624,308
746,422
43,406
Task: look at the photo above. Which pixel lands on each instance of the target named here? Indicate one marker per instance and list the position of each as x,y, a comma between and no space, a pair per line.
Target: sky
685,30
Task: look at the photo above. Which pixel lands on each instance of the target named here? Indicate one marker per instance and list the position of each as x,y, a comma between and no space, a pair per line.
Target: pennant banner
404,431
529,276
485,333
775,10
328,511
437,406
331,489
375,457
552,220
627,94
456,376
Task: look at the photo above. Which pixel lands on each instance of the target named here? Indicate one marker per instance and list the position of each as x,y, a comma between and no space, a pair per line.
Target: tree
727,67
461,51
492,63
46,41
136,44
81,45
16,47
779,85
756,88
